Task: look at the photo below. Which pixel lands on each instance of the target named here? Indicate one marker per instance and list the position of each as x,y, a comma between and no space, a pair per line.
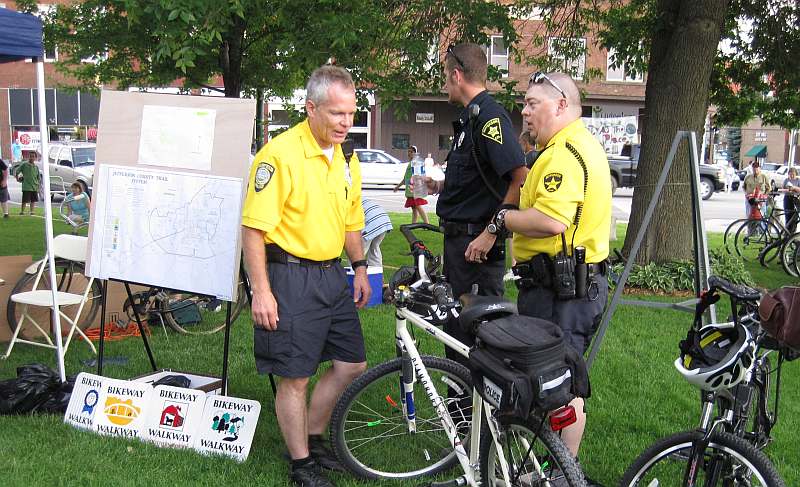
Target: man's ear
310,107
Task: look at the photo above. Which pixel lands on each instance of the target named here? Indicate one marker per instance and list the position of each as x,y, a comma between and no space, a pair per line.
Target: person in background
528,145
4,188
376,225
16,153
730,177
303,207
755,180
416,204
791,186
28,175
78,204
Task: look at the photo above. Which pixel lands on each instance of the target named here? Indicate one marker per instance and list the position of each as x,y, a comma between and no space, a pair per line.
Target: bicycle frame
408,350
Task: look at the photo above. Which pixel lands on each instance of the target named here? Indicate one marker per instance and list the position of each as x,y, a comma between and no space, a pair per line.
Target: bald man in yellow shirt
303,206
565,208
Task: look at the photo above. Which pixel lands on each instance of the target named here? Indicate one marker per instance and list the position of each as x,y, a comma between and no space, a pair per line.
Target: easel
700,250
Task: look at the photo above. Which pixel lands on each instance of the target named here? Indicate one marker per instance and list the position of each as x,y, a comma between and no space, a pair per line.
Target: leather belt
278,255
457,228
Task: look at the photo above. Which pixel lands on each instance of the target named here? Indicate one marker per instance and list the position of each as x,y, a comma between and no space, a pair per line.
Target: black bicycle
730,364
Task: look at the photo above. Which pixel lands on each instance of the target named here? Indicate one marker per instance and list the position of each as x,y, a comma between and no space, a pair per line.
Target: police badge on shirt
263,176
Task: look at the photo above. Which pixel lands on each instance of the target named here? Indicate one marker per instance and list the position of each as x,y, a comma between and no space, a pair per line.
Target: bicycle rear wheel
199,315
369,431
730,234
727,461
535,455
70,278
788,252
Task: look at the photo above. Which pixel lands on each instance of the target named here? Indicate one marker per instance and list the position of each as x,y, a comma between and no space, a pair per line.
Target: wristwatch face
491,228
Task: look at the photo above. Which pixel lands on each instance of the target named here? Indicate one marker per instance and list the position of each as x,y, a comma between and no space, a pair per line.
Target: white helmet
717,356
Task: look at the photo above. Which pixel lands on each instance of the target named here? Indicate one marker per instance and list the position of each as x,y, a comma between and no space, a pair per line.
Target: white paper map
167,229
177,137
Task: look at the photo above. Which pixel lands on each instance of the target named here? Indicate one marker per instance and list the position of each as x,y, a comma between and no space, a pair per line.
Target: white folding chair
68,247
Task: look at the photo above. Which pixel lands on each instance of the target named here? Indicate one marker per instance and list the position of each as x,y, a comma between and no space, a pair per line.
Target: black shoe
309,475
319,451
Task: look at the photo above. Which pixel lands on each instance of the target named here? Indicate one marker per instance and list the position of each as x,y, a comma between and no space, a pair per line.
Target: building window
401,141
621,72
497,54
433,55
569,53
445,142
360,119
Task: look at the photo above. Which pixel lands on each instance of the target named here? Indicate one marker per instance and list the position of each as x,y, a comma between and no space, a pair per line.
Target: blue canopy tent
21,38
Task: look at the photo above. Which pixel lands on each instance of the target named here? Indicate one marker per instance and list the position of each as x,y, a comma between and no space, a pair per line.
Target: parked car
379,167
71,162
778,176
623,172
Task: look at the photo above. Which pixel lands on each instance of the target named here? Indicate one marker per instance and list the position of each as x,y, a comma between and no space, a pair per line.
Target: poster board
168,188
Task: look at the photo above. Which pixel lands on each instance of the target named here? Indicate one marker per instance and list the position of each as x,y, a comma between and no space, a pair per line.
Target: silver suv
71,162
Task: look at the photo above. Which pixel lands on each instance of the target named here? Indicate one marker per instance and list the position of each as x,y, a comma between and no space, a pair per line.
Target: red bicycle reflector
561,418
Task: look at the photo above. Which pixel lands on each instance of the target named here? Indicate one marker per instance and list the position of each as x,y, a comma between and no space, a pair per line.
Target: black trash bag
173,380
37,388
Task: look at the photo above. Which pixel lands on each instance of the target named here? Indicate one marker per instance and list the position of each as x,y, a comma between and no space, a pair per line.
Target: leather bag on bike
522,363
779,311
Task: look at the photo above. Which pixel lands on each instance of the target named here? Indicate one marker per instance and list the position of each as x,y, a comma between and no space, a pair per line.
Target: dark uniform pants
462,275
578,318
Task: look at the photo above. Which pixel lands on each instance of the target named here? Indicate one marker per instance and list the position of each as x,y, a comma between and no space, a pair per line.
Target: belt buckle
291,259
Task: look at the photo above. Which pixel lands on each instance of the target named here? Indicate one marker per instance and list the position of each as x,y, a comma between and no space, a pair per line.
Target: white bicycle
419,415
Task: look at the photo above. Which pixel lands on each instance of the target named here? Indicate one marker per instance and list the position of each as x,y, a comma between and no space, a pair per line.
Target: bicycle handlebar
407,229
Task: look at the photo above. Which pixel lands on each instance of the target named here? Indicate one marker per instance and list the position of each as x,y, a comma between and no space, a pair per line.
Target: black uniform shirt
465,197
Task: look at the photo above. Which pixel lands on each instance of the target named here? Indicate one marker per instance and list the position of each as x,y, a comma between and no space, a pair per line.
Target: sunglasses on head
451,52
539,77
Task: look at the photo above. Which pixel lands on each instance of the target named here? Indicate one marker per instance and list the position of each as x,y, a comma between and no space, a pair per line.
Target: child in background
78,204
415,204
28,175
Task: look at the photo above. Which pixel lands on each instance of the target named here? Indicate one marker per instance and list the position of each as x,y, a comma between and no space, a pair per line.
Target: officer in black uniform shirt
472,192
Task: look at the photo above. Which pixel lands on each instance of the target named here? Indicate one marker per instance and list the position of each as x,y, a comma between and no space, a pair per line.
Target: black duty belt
280,256
453,229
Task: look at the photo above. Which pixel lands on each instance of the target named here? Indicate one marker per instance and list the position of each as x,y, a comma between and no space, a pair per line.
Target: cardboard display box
209,384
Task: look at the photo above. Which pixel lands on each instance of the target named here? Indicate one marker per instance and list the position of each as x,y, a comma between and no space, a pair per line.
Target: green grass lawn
637,394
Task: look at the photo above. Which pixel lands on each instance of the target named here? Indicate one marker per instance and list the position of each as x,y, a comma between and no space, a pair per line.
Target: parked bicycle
187,313
419,415
729,363
183,312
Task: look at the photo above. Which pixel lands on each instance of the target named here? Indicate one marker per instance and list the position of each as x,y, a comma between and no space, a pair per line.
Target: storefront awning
757,151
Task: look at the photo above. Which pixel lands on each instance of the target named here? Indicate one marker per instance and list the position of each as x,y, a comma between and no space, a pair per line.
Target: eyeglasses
451,52
539,77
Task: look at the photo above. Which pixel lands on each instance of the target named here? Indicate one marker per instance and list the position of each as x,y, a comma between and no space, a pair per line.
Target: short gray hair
321,80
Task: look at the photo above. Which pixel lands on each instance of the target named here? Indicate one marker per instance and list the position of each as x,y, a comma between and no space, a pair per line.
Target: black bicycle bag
521,363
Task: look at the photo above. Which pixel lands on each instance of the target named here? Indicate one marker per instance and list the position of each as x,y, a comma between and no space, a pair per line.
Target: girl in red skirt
415,204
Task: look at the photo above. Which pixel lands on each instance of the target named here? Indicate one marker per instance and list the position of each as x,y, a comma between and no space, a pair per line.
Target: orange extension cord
115,332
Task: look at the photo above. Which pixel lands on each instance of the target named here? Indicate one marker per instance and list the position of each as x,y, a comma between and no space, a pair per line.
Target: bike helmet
717,356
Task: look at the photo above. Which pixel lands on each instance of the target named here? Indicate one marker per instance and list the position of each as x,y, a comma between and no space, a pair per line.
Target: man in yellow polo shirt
303,206
565,211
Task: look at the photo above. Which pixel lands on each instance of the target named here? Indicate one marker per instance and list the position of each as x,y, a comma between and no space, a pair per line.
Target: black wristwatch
498,223
359,263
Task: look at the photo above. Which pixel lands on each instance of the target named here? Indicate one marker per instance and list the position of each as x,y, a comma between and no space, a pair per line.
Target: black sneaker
319,451
309,475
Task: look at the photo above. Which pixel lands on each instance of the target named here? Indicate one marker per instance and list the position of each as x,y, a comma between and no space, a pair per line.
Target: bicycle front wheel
199,315
534,453
788,252
370,433
753,237
727,461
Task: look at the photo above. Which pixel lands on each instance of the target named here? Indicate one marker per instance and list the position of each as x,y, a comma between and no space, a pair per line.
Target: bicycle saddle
740,291
476,308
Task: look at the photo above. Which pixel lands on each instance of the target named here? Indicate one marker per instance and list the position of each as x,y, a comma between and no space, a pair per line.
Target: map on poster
168,229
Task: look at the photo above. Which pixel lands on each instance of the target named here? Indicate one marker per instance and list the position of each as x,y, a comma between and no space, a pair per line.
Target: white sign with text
123,408
228,426
84,402
174,416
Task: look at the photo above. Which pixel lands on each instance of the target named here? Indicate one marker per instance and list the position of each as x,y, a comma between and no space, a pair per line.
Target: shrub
679,275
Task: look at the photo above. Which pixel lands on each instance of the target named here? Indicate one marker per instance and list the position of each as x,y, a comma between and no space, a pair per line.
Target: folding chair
68,247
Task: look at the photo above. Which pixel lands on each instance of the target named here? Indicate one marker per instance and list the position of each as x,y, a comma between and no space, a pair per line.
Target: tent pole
48,215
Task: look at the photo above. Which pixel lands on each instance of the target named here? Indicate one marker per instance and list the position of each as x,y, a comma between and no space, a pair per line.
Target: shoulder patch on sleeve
552,181
492,131
263,176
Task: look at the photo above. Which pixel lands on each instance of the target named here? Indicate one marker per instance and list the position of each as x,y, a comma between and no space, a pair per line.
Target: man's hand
265,310
433,186
480,247
361,288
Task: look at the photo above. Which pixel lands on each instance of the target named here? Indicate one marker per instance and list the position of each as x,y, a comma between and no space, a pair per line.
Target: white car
778,176
71,162
379,167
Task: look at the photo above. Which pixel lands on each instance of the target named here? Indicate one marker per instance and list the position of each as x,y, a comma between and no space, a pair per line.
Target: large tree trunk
230,58
684,46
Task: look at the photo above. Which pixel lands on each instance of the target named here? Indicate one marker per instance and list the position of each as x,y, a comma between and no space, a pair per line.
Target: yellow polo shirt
554,186
300,200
